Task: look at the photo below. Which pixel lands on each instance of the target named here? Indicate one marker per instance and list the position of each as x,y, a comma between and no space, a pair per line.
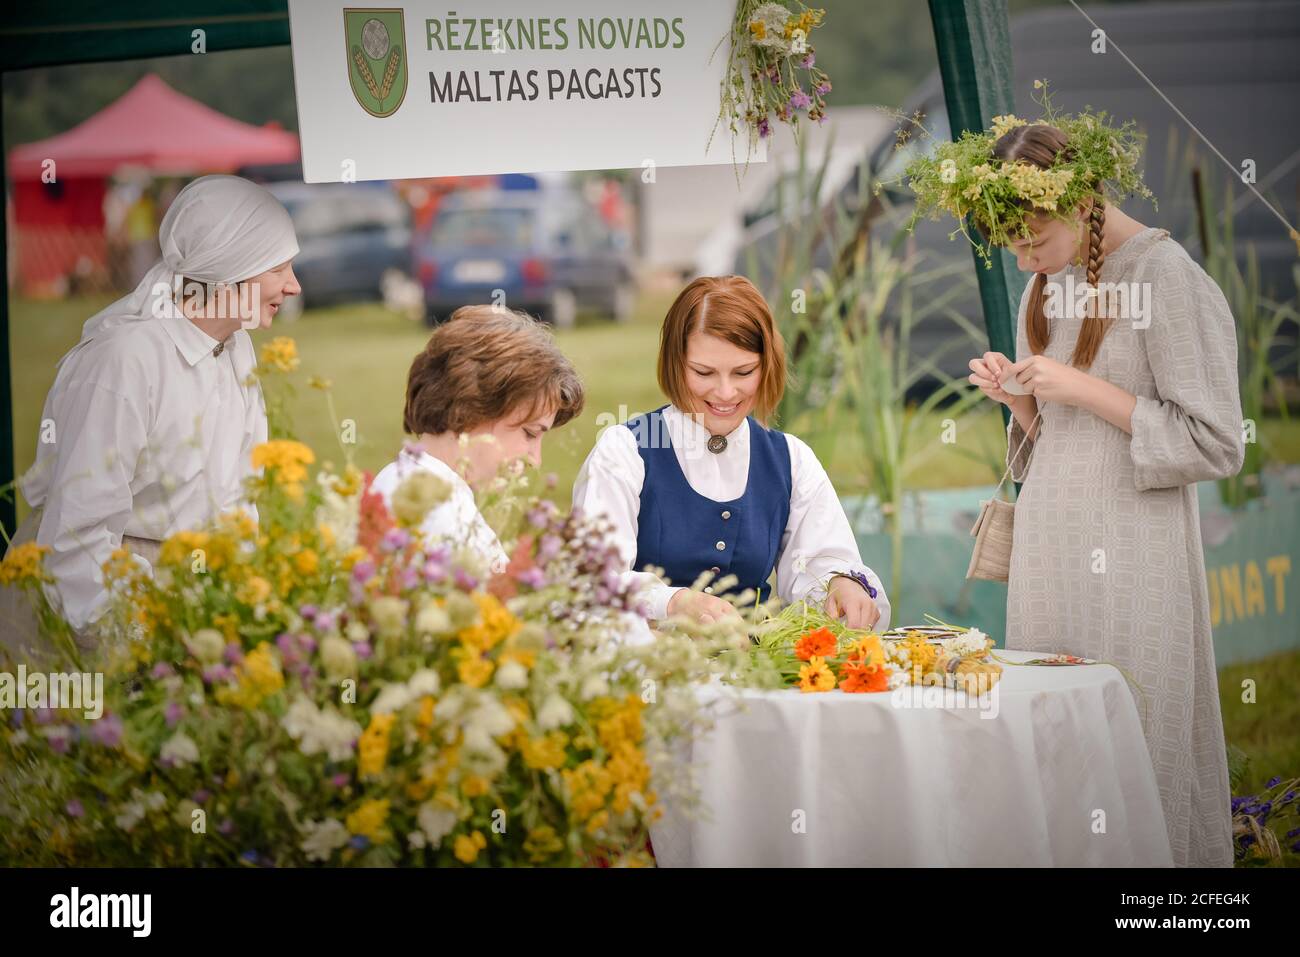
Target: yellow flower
306,562
253,592
22,563
524,656
368,820
495,624
542,843
120,566
258,677
921,654
468,845
424,717
372,748
586,787
474,672
546,753
758,28
1042,187
816,676
288,458
474,786
1003,124
349,483
239,524
179,549
281,353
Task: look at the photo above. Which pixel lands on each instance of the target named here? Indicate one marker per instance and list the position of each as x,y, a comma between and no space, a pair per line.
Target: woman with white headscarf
151,420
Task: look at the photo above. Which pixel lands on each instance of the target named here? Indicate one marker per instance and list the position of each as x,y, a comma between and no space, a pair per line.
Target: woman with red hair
702,489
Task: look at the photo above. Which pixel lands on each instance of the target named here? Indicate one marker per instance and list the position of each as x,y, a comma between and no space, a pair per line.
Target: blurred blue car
545,252
350,235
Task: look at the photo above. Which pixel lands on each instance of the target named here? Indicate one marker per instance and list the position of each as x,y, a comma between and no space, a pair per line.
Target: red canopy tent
60,224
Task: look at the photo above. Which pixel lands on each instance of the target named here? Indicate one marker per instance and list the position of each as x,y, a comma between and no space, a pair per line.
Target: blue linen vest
686,533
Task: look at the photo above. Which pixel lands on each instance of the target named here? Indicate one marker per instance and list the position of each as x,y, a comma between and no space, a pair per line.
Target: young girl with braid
1116,414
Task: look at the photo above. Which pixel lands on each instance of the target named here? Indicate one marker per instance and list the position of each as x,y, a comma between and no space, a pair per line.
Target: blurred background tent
59,209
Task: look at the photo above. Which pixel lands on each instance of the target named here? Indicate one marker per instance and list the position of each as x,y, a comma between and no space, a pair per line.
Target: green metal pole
9,502
973,40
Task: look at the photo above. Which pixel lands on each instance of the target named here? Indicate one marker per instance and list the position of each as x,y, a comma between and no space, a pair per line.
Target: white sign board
499,86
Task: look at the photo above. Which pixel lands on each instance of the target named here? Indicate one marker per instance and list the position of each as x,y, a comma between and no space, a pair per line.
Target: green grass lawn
365,352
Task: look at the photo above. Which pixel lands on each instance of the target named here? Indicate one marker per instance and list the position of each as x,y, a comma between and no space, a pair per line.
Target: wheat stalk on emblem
364,69
390,72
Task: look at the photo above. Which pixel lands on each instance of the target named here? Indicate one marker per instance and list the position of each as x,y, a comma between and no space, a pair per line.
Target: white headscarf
218,229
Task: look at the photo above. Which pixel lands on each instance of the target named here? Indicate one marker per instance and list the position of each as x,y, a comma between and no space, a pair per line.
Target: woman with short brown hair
489,384
703,486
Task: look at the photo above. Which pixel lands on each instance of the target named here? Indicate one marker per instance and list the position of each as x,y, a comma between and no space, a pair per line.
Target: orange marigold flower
815,643
857,677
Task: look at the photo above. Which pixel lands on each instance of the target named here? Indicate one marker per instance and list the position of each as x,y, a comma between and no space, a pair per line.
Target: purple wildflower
74,808
215,673
764,128
532,577
162,670
172,713
363,649
395,539
808,61
549,547
464,580
799,100
107,731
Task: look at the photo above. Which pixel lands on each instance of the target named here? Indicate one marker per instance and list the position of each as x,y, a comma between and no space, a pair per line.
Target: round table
1049,769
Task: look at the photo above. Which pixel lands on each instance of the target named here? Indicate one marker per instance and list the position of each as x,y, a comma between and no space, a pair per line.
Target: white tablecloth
1058,775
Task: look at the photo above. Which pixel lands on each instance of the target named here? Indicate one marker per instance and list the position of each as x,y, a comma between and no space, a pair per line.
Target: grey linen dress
1106,560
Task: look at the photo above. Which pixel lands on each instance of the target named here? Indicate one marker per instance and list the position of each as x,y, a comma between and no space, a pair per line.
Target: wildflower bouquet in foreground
321,687
805,648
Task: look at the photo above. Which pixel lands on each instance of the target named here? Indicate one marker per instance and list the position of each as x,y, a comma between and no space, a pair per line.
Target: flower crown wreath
963,178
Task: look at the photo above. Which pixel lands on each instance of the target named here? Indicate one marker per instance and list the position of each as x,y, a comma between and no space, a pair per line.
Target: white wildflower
323,839
179,749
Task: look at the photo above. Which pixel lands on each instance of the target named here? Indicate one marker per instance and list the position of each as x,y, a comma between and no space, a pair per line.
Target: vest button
726,515
721,546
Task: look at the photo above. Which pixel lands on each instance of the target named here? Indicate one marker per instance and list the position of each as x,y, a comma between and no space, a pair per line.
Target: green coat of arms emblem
376,59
